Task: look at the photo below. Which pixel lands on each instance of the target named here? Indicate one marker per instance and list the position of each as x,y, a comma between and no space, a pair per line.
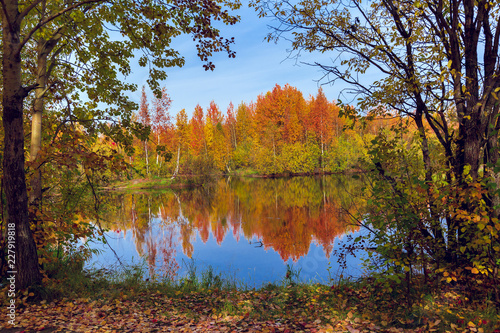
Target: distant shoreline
190,181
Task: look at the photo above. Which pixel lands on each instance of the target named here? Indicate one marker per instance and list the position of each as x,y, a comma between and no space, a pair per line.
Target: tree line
281,133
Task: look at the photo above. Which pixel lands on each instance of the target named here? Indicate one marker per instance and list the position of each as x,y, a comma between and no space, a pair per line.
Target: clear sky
257,68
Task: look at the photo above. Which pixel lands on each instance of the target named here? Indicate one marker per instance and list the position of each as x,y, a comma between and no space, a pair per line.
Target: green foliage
300,158
266,161
66,262
198,165
442,229
346,153
242,155
292,275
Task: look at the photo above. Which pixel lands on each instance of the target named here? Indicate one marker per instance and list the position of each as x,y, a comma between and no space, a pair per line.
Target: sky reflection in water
249,229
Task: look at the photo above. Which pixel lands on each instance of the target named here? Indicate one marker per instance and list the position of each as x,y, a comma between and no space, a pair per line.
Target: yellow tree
181,136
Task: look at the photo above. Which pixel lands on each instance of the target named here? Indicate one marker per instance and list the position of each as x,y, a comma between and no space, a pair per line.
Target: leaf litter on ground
310,308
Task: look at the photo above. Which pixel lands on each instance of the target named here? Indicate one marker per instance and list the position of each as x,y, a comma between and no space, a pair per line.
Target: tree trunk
492,156
322,165
274,155
177,167
147,157
468,149
26,264
36,126
157,155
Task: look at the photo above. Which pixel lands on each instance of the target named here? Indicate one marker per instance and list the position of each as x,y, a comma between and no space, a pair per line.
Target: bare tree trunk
35,198
274,154
178,158
26,259
44,48
234,136
147,157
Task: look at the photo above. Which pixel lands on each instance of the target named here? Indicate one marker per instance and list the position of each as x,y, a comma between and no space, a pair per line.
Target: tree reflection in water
285,215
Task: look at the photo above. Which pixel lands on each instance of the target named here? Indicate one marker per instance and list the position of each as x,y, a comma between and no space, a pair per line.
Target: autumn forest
281,133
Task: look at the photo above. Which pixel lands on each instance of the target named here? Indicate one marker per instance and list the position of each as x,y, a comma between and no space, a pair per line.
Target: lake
248,229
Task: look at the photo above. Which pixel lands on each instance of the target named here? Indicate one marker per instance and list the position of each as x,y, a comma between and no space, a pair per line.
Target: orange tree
436,64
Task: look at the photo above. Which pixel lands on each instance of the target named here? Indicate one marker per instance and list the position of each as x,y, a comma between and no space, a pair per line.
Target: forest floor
344,307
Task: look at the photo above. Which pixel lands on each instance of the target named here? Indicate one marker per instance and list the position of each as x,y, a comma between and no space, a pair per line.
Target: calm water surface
247,228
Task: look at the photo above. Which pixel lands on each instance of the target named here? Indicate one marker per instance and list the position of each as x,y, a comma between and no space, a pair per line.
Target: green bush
242,155
266,162
300,158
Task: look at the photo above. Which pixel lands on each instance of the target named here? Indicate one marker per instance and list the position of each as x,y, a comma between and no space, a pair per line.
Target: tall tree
321,120
214,115
145,119
432,59
181,136
281,108
231,124
244,126
161,118
197,125
215,137
143,23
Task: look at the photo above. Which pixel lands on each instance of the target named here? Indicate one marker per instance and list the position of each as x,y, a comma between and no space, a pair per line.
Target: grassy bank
189,181
78,300
155,183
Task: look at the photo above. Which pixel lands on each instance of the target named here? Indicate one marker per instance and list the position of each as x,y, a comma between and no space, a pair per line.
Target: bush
300,158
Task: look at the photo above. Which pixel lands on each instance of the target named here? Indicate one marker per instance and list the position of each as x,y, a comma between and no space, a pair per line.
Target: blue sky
258,66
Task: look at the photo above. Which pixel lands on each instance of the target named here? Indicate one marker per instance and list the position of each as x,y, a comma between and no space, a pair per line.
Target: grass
246,172
156,183
361,303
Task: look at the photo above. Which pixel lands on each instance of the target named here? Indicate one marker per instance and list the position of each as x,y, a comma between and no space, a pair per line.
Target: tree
321,120
216,140
161,118
181,136
197,125
145,119
231,125
244,125
282,108
435,63
213,114
143,23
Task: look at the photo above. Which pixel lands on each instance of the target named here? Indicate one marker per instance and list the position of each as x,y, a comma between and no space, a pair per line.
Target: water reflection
249,219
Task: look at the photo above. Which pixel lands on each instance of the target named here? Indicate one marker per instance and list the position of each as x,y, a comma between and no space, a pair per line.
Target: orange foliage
281,112
197,125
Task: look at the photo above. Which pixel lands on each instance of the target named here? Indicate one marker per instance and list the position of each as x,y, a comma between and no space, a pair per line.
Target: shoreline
177,182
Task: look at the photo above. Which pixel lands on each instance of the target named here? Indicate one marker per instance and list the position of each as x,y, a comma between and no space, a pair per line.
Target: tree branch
49,19
27,10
